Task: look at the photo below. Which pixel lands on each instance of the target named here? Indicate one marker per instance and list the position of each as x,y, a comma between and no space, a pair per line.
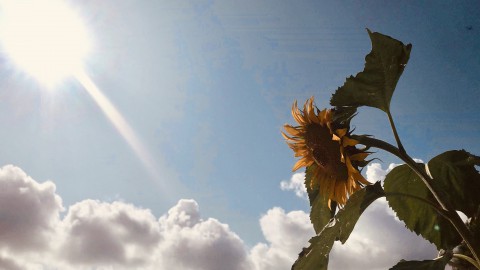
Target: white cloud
286,233
107,235
117,235
28,211
296,184
375,172
193,243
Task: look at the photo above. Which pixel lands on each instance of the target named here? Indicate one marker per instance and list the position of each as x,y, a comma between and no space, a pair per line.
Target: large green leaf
422,265
339,228
417,215
374,86
316,255
454,172
320,214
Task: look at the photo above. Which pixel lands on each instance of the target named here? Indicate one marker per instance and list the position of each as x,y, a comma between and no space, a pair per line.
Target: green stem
395,133
449,210
468,259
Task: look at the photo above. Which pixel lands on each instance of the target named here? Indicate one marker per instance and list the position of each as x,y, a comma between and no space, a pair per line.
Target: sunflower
326,143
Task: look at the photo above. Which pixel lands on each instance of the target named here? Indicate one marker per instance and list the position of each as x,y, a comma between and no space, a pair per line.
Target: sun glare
46,38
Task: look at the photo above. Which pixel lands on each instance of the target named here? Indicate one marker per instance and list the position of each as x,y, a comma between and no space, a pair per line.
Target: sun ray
119,122
49,41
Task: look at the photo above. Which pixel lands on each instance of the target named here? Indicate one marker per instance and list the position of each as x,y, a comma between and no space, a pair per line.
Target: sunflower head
322,139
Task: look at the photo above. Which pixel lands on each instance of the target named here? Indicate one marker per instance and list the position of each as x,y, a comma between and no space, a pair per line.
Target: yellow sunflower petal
292,130
341,193
321,116
297,115
347,141
285,136
362,180
336,138
334,174
311,113
341,132
303,162
350,167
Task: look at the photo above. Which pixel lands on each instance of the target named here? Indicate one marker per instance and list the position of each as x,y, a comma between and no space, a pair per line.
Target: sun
45,38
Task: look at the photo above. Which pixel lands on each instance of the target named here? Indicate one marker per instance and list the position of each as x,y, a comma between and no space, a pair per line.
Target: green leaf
417,215
422,265
320,214
315,256
339,228
374,86
454,172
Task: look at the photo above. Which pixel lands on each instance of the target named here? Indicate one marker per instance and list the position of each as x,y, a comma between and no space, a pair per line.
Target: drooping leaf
454,171
422,265
339,228
374,86
417,215
320,214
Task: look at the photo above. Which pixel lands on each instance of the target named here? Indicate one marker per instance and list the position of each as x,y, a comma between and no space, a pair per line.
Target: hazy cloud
9,264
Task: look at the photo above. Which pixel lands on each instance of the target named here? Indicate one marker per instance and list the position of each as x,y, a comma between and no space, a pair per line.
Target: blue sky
207,87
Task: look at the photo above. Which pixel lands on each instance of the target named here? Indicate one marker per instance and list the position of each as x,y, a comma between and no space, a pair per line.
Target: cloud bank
117,235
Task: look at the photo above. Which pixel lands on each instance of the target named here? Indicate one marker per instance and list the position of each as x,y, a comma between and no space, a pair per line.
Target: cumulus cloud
296,184
193,243
118,235
107,235
28,211
286,233
99,233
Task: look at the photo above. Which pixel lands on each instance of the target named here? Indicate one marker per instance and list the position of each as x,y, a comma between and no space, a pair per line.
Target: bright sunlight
45,38
48,40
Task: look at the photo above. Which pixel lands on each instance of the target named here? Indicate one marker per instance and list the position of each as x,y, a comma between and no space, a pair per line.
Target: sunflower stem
395,133
468,259
448,209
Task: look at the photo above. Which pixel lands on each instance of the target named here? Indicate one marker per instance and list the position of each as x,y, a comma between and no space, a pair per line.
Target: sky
168,153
